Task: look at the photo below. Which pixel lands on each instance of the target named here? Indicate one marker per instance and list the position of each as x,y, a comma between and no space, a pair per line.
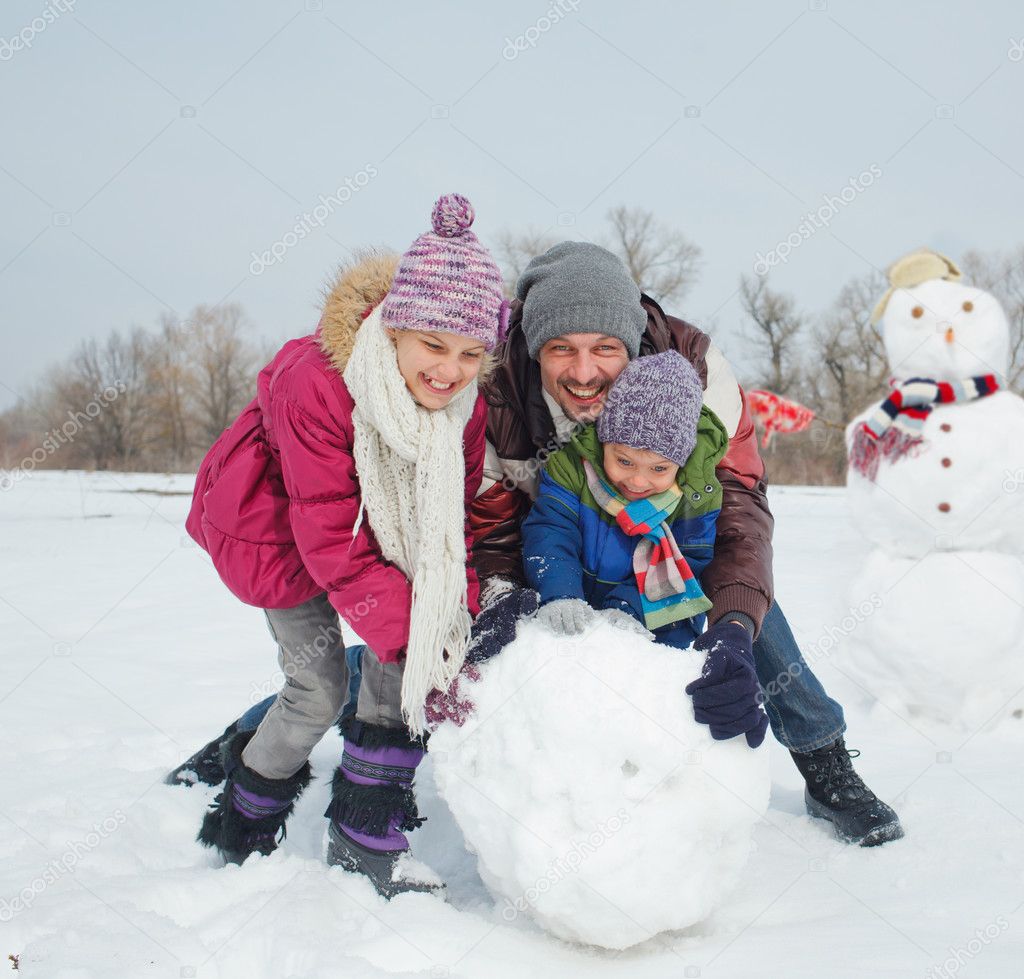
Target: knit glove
621,619
453,704
726,695
566,616
495,626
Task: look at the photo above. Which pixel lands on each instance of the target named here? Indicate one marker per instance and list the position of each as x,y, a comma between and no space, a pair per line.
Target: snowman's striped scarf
896,425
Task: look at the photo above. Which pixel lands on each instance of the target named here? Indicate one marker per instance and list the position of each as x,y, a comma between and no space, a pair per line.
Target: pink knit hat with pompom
448,281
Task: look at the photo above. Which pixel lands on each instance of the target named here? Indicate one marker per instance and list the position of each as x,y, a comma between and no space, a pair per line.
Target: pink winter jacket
276,497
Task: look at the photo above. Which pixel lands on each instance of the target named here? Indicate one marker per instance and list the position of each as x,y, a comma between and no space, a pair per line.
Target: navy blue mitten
495,626
726,696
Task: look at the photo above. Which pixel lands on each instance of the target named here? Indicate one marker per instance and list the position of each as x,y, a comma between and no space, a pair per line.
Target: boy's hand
726,696
566,616
621,619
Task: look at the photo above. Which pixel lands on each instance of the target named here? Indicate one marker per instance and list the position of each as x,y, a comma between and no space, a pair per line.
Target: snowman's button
946,427
947,462
944,507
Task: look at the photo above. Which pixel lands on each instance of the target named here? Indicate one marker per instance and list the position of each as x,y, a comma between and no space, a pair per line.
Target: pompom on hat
912,270
447,281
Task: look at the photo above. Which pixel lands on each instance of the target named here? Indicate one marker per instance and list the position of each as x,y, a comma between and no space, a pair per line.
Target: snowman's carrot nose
950,335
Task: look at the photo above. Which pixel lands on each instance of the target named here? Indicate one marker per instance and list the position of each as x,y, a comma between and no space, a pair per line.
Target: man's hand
726,695
566,616
495,627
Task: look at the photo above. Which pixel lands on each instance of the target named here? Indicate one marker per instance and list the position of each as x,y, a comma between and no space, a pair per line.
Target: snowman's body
946,521
961,489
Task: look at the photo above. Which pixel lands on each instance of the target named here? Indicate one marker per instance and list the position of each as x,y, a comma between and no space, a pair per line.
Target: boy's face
637,473
577,369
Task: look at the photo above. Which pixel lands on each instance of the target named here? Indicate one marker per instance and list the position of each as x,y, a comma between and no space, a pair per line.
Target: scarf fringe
411,468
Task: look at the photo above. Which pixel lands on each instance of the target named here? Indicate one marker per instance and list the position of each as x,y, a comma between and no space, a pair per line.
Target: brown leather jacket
520,427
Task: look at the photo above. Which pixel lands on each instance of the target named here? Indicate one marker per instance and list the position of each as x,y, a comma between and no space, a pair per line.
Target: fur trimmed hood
356,289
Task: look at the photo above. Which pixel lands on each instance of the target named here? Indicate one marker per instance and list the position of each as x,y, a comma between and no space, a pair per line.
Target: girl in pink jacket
343,488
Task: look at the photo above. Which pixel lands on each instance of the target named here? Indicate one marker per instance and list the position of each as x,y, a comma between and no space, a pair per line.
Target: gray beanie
654,404
576,287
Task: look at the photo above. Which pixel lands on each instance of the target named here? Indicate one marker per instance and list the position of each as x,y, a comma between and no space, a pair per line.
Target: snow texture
582,774
122,653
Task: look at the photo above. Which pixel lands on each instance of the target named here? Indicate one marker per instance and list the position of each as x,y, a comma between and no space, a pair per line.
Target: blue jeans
803,717
250,720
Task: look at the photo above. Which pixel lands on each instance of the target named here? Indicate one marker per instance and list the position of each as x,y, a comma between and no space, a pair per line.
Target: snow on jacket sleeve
552,536
319,472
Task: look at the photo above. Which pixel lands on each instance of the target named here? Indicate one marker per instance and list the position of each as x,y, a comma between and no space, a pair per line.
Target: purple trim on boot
254,806
394,842
380,766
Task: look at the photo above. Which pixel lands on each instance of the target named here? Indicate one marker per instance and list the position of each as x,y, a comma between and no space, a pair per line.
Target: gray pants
311,654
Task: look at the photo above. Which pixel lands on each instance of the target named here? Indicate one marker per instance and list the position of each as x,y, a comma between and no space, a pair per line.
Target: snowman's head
945,330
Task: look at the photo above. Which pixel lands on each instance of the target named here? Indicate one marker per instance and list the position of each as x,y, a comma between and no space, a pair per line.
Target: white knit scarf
411,470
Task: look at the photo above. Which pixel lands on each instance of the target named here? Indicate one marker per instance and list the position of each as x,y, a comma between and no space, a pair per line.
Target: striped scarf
896,425
669,591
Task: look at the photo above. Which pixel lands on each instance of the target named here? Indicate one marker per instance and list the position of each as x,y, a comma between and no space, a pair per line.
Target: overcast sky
149,149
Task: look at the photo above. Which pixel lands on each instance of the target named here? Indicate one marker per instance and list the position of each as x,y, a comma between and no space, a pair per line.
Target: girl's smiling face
637,473
435,365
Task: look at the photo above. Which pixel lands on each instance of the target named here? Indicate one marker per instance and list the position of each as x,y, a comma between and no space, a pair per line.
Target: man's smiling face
577,369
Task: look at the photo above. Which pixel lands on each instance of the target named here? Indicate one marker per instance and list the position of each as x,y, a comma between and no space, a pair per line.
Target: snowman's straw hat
912,270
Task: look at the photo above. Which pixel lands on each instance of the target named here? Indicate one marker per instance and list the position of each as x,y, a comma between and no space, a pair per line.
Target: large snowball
594,801
943,638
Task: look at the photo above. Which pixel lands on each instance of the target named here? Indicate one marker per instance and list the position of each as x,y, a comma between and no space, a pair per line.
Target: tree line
156,399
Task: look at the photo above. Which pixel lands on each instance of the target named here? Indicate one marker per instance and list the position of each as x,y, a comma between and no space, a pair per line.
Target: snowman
936,484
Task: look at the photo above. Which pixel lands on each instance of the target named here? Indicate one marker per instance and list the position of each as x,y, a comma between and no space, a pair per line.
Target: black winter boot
248,816
373,807
837,793
205,765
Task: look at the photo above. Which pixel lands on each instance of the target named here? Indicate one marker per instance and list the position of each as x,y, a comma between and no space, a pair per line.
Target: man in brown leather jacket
577,322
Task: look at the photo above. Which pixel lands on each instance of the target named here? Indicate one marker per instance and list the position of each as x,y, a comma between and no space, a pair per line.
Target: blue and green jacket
574,549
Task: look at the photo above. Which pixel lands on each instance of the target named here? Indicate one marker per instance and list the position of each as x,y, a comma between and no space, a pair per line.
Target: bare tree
848,369
661,260
224,365
103,390
170,384
515,249
1002,274
774,329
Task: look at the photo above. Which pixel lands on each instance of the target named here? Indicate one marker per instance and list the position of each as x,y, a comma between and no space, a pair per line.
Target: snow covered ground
122,653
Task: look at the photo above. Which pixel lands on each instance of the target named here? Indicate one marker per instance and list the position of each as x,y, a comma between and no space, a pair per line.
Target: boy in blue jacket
624,524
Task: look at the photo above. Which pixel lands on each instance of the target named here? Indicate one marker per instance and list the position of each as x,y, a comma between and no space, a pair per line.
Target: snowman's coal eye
917,312
968,306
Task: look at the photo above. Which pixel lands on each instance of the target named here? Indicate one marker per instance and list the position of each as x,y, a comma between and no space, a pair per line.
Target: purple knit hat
654,404
447,280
